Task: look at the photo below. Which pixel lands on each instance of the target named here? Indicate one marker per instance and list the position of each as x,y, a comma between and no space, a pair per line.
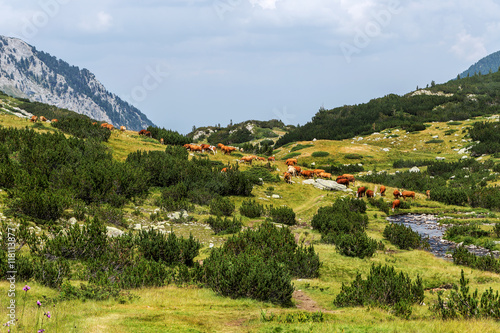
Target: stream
428,226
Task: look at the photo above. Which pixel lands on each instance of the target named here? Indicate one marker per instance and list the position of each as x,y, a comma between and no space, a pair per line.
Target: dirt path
306,303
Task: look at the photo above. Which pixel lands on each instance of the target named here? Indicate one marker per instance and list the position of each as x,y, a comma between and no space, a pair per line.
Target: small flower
26,288
41,330
38,303
47,314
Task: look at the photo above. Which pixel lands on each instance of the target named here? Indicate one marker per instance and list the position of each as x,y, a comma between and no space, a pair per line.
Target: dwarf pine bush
222,226
251,209
403,237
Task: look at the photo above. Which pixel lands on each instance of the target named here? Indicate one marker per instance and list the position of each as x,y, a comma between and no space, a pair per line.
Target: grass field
194,309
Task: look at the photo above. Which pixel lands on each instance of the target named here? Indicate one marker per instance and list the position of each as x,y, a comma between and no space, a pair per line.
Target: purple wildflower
48,314
26,288
38,303
41,330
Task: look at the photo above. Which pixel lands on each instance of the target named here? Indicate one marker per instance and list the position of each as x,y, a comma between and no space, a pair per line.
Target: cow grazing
395,204
94,123
205,146
42,118
370,194
104,125
361,192
307,173
325,175
288,177
148,134
227,150
54,121
271,159
396,194
428,192
162,142
123,128
318,171
291,170
110,127
33,119
247,159
142,132
349,177
408,194
291,161
261,158
224,170
382,190
343,181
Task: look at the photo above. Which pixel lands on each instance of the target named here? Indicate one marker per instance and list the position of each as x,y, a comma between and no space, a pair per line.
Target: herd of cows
293,169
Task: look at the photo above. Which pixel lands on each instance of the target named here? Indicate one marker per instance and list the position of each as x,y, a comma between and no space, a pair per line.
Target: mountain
488,64
28,73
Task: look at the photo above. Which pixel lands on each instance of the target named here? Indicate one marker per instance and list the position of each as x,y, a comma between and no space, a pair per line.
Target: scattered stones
113,232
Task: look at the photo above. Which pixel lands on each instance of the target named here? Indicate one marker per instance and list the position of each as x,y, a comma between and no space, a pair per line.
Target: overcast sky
204,62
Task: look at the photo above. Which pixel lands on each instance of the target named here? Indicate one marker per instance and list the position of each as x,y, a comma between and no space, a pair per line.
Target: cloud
96,23
468,47
265,4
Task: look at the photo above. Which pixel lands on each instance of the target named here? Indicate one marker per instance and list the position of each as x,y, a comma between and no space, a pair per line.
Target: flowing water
428,227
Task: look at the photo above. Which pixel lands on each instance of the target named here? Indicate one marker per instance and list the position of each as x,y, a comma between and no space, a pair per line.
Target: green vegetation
320,154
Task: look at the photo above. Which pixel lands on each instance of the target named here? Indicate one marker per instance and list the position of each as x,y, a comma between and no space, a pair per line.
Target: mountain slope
488,64
29,73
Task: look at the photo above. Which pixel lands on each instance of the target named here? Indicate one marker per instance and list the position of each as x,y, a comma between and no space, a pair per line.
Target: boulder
113,232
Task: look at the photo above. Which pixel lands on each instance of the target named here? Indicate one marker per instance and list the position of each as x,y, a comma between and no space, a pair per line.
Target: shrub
472,230
383,286
171,250
435,141
320,154
355,245
353,156
403,237
259,264
344,216
496,230
300,146
221,206
251,209
380,204
283,214
461,304
462,256
290,155
224,226
109,214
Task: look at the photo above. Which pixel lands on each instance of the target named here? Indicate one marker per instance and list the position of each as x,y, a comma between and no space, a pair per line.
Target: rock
439,158
137,226
331,185
385,149
276,196
113,232
414,169
72,220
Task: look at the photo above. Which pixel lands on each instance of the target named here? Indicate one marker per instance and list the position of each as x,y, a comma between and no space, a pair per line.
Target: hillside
455,100
486,65
132,183
38,76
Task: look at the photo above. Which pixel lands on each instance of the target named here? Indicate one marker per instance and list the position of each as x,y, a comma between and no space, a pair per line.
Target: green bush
300,146
462,305
462,256
290,155
403,237
283,214
382,287
344,216
355,245
171,250
221,206
353,156
251,209
496,230
224,226
380,204
320,154
435,141
473,230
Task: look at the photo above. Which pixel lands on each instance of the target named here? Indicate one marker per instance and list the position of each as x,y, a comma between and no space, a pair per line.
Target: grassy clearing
191,309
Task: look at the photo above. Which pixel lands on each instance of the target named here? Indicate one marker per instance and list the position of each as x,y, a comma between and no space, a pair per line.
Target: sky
188,63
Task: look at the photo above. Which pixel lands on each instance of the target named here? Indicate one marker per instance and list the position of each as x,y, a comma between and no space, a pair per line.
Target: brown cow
361,192
298,169
382,190
123,128
247,159
271,159
291,161
396,194
110,127
307,173
318,171
288,177
224,170
42,118
104,125
370,194
395,204
142,132
343,181
54,121
261,158
205,146
33,119
428,192
325,175
349,177
94,123
162,142
227,150
408,194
